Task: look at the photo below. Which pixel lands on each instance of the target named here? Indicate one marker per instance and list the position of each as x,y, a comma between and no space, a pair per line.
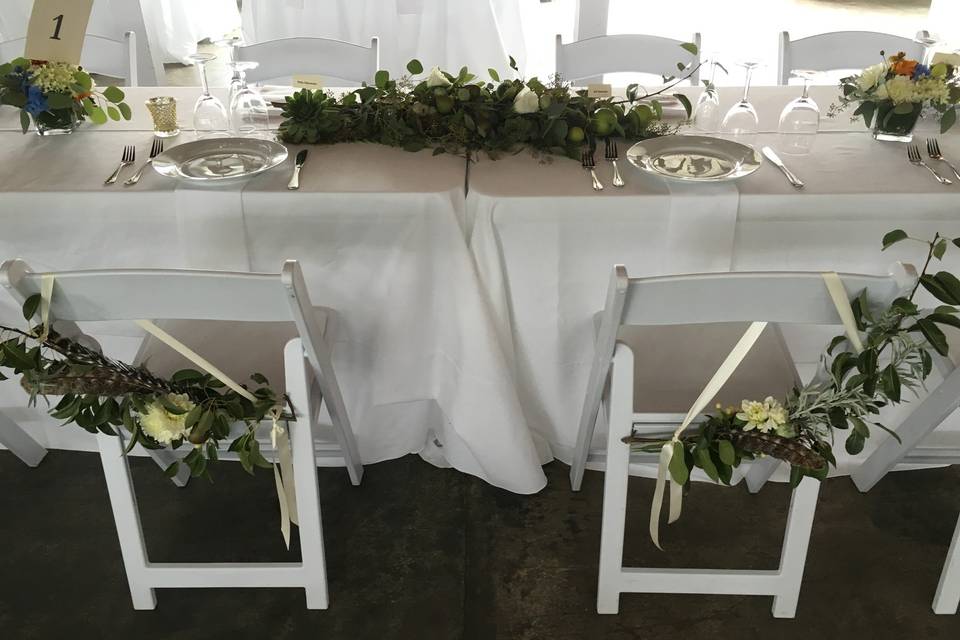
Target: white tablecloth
379,233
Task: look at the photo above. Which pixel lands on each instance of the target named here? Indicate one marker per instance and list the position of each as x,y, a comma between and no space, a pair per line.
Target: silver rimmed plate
694,158
219,159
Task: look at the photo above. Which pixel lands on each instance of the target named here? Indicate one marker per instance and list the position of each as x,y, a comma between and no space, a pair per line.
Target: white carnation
163,426
526,101
871,76
437,79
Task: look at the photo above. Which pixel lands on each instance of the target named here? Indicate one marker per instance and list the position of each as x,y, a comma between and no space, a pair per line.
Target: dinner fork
933,150
155,150
913,154
588,162
129,155
610,155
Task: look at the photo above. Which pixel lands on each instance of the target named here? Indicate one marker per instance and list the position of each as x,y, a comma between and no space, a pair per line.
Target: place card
599,91
307,82
57,29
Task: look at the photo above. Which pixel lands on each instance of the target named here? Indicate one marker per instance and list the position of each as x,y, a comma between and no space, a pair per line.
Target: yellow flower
765,416
163,426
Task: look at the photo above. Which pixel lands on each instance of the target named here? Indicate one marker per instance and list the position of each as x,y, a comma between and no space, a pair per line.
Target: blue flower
921,71
36,101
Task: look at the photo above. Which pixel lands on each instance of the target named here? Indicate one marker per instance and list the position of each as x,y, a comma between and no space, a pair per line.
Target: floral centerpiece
891,96
459,113
57,96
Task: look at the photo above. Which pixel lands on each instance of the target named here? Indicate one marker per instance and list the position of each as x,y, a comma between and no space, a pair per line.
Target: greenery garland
846,395
460,114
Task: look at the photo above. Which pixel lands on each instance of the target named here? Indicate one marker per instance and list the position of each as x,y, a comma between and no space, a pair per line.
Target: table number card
307,82
599,91
57,29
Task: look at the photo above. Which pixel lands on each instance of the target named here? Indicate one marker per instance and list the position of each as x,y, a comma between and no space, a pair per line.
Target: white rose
526,101
871,75
163,426
437,79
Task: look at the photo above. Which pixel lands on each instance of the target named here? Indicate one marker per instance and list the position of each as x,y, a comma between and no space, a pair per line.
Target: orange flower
904,67
81,96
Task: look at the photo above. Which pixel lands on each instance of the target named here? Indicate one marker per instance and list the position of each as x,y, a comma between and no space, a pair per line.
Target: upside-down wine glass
231,44
800,120
249,115
210,118
741,121
706,115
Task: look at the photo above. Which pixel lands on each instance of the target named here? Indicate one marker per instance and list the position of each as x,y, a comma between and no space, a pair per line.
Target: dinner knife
295,178
775,159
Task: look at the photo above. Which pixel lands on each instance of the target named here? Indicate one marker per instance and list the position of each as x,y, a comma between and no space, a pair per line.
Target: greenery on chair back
845,397
457,113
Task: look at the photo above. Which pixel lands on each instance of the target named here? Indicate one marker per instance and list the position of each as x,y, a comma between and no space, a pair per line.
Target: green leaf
894,237
944,318
685,101
259,378
125,110
381,79
890,381
30,306
934,335
186,375
513,64
113,94
939,249
97,115
113,113
836,342
726,452
172,469
494,74
950,283
690,47
948,119
24,121
678,467
193,416
415,67
702,455
59,101
16,357
854,443
937,289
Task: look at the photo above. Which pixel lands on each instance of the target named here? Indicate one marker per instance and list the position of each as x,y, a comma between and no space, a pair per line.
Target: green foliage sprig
847,394
103,395
457,113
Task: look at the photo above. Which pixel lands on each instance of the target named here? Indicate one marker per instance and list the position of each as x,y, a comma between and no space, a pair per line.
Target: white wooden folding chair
796,298
840,50
585,61
20,443
310,378
281,59
101,55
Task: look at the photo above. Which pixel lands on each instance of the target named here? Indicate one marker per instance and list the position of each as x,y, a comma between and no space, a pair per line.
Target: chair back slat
840,50
281,59
592,57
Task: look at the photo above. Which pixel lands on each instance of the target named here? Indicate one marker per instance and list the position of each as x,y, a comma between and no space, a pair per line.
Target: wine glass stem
746,84
202,70
806,88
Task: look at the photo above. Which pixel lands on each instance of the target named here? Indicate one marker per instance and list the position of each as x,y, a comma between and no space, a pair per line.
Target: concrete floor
424,553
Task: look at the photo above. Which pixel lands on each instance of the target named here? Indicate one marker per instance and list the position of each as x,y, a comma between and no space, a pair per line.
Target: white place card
599,91
57,29
307,82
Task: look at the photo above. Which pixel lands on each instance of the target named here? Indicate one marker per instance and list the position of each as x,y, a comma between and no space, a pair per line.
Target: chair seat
672,365
239,349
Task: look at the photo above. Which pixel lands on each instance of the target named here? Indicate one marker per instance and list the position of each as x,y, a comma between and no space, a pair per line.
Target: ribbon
286,487
838,293
46,294
729,366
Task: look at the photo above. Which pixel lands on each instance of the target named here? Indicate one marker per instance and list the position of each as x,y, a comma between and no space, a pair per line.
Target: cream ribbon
46,294
838,294
286,488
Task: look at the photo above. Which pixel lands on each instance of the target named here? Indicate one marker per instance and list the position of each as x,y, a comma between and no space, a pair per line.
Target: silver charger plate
219,159
694,158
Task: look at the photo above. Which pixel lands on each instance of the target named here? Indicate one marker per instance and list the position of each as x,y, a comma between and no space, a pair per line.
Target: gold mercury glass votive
163,110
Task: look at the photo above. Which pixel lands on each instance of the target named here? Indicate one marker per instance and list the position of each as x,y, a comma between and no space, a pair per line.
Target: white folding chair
20,443
840,50
101,55
585,61
310,379
654,303
947,599
281,59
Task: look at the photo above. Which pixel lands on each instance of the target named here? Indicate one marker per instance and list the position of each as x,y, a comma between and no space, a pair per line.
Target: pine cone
786,449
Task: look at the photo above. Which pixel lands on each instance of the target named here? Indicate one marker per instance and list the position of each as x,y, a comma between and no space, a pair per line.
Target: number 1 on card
57,29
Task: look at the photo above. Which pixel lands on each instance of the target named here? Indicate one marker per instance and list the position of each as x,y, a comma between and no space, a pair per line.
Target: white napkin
211,227
701,228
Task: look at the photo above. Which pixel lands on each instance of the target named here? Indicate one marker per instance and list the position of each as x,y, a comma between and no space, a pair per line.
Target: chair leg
760,471
796,540
928,415
123,499
615,482
947,600
20,443
164,458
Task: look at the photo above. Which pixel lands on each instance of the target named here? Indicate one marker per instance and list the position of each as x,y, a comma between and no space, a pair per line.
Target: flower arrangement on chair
56,96
891,95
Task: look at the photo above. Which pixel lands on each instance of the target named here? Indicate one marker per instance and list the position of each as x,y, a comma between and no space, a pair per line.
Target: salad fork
129,155
611,156
913,154
155,150
588,162
933,150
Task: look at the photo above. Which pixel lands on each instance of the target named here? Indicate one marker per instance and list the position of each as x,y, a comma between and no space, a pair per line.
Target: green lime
602,127
575,135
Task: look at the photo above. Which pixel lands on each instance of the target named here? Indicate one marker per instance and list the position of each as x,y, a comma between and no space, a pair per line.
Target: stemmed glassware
706,115
249,115
741,120
209,115
800,119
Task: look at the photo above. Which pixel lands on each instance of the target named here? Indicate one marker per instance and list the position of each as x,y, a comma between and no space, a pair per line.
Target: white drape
176,26
450,33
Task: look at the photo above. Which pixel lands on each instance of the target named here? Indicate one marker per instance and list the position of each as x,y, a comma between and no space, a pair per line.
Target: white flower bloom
901,89
163,426
871,76
765,416
437,79
526,101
